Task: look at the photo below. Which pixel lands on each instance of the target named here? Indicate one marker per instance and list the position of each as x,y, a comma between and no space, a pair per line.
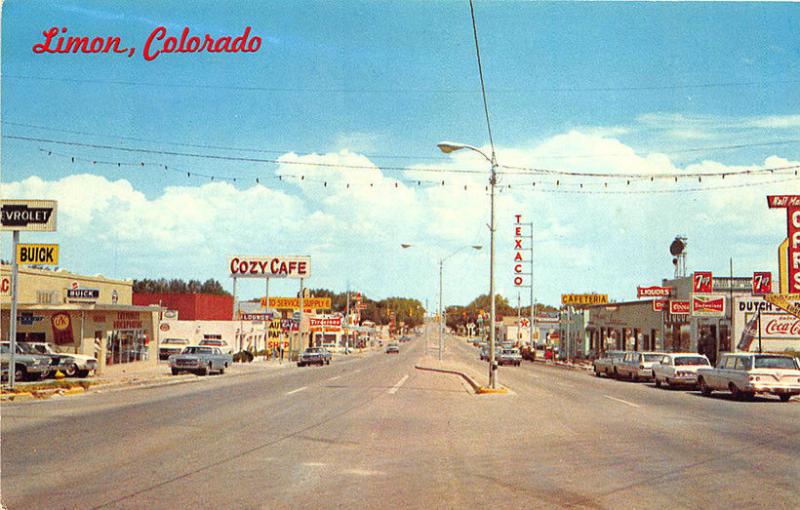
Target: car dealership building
90,315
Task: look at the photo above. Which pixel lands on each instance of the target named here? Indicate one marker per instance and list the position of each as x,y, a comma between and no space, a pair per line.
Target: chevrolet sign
36,215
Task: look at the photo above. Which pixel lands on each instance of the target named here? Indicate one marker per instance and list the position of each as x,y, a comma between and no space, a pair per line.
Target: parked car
605,365
222,345
679,368
528,353
314,356
392,348
201,360
747,374
27,367
509,357
71,365
637,365
170,346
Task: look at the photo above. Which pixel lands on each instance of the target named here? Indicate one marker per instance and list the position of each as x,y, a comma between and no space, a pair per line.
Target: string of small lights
509,170
540,185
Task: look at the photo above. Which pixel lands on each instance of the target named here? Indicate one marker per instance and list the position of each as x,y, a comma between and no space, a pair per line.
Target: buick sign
83,293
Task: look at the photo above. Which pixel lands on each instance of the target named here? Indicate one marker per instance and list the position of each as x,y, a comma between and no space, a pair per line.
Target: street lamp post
442,321
447,148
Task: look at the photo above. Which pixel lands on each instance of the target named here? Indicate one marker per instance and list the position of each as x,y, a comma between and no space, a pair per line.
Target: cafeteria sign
584,299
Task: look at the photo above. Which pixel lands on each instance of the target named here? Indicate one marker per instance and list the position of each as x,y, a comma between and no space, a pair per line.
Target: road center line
334,378
622,401
396,387
297,390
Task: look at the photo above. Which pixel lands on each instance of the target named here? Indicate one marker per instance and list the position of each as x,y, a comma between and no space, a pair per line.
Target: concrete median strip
477,388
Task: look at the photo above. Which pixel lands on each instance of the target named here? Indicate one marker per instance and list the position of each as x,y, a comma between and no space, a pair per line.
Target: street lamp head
448,147
404,245
476,246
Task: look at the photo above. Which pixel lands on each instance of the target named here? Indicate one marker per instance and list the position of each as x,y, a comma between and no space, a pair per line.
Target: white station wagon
745,374
679,368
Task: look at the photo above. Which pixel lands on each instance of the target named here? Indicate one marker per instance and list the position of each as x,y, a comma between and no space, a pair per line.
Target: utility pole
347,322
441,311
492,367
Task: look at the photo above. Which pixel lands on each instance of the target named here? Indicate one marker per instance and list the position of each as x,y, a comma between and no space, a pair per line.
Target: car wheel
221,370
704,388
175,371
20,374
658,382
71,370
785,397
634,377
735,393
83,373
616,374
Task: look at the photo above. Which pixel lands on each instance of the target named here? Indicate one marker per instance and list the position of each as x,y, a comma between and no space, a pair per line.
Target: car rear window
683,361
775,362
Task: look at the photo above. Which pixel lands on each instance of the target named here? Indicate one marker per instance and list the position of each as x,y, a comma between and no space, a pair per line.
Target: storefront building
89,315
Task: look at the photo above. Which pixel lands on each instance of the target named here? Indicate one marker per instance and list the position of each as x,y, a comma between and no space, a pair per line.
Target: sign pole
12,320
302,312
533,306
267,318
759,331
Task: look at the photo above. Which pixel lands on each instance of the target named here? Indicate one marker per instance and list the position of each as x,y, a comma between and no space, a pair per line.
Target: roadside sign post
12,320
28,215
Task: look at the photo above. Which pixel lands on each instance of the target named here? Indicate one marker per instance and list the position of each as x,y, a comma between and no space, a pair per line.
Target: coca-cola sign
780,326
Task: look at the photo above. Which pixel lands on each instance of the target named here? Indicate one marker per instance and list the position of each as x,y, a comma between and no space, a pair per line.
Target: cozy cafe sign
270,267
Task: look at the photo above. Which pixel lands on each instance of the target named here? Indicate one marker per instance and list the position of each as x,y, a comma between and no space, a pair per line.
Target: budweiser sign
679,307
653,292
708,306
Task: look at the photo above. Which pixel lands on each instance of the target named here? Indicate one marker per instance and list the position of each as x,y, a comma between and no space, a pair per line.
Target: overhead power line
409,90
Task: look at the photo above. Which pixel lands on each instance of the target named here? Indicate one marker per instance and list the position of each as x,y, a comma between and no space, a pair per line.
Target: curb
483,390
18,397
475,386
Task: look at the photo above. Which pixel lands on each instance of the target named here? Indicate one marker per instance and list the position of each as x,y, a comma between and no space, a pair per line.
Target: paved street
374,432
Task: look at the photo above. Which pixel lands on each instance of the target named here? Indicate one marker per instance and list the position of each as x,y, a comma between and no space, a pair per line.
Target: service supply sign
270,267
792,205
28,215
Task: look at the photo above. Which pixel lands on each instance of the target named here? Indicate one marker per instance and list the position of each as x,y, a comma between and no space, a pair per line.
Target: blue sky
592,87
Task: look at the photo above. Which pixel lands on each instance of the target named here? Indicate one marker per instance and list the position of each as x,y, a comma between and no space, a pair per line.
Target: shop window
127,346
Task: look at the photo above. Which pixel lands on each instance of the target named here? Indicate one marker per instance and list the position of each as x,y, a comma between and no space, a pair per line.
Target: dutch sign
38,254
83,294
653,292
270,267
293,303
29,215
679,307
584,299
792,205
702,282
711,305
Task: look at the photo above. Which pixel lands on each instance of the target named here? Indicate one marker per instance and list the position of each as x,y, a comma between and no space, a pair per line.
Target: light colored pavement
375,433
